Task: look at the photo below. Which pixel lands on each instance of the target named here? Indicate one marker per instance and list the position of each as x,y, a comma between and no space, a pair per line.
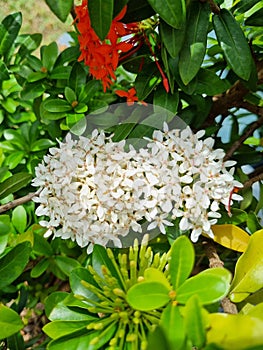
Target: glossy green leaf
19,218
9,29
194,322
32,91
57,106
41,144
193,50
60,8
13,263
66,264
235,332
242,6
70,95
182,260
77,78
171,11
233,43
88,91
210,286
153,275
57,329
248,277
137,11
39,268
56,309
4,228
28,43
14,183
172,324
172,38
101,13
76,277
100,258
146,296
10,322
49,55
61,72
256,19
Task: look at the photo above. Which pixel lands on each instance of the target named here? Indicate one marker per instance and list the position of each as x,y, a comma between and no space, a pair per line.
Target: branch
253,179
215,261
17,202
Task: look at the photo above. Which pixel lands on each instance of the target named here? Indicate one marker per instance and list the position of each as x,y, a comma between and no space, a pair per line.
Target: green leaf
77,78
66,264
256,19
42,144
233,43
193,50
248,277
49,55
182,261
138,11
14,183
234,331
101,13
19,218
41,245
194,322
100,258
57,106
153,275
88,90
146,81
60,8
13,159
10,322
39,268
61,73
4,75
172,38
82,274
70,95
171,11
244,5
167,101
32,91
157,340
13,263
28,43
146,296
4,228
209,83
9,29
172,324
57,329
209,285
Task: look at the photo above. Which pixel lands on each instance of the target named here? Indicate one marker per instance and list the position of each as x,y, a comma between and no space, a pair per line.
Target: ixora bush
116,215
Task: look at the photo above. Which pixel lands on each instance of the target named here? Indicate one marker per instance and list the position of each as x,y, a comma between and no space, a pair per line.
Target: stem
215,261
254,179
17,202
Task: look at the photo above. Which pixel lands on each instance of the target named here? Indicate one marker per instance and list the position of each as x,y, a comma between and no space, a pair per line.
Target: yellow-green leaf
235,332
248,276
231,236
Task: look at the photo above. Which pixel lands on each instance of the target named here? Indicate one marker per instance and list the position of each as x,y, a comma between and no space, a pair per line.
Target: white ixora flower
94,191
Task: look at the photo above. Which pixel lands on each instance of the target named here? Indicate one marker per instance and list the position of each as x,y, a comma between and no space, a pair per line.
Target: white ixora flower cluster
94,191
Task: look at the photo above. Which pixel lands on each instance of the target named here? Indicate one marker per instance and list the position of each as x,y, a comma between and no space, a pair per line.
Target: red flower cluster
102,57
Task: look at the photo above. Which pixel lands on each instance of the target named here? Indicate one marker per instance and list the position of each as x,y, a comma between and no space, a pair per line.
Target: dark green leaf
88,90
4,75
14,183
233,43
49,55
10,322
77,78
172,38
32,91
209,83
13,263
61,72
171,11
146,81
169,102
9,30
182,260
138,11
244,5
70,95
101,13
28,43
60,8
75,278
256,19
193,50
41,245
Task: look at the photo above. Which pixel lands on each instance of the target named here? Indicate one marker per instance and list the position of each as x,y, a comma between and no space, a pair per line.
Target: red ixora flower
102,57
130,96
